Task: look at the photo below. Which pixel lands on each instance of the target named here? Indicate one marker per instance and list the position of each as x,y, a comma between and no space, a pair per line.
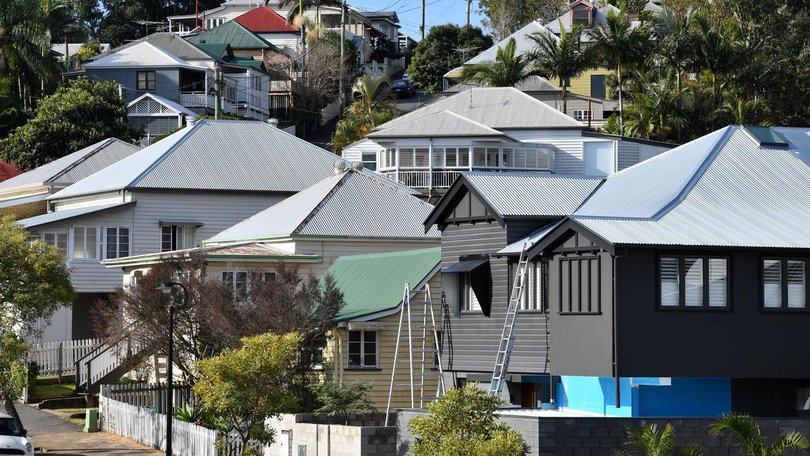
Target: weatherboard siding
627,155
331,249
167,81
474,336
216,212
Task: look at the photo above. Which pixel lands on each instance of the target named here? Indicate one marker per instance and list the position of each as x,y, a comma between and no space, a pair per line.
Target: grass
72,415
50,391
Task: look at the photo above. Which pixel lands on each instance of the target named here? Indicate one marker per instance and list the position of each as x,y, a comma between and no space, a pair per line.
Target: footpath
53,436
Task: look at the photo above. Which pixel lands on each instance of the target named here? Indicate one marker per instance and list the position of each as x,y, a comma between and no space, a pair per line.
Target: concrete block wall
321,435
600,436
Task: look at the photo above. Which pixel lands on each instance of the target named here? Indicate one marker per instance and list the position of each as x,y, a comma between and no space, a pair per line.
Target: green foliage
118,24
505,17
463,423
444,48
247,385
746,435
372,104
653,440
337,399
13,375
507,70
89,49
78,114
562,58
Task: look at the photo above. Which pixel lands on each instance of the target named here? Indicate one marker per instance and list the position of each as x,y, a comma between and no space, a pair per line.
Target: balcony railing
424,178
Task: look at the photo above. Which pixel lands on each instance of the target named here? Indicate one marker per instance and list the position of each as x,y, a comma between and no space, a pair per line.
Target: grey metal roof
533,83
496,107
440,124
745,195
23,200
351,204
218,155
531,194
76,166
529,241
171,43
67,214
141,54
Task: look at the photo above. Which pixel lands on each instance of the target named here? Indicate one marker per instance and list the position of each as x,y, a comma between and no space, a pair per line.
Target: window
362,349
693,282
85,243
598,86
582,114
580,286
268,277
146,80
784,284
463,157
533,289
176,237
421,158
59,240
116,241
369,161
406,158
469,300
237,283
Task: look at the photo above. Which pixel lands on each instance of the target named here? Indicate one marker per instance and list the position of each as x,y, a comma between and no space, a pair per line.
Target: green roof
374,283
234,34
247,62
215,50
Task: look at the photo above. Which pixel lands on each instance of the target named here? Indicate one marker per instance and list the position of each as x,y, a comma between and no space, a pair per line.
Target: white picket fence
59,358
149,427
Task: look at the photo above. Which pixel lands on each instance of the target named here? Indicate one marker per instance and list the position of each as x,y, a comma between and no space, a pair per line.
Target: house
24,195
60,50
208,19
362,346
482,217
177,73
272,27
171,195
680,286
495,129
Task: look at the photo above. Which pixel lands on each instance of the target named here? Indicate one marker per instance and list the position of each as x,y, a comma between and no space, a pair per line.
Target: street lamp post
167,288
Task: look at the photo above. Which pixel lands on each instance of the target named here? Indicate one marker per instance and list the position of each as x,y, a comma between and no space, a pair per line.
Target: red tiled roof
264,20
7,171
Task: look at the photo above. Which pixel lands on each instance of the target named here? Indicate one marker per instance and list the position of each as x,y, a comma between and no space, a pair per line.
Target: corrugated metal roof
531,194
264,20
225,155
62,216
375,283
628,192
746,196
232,33
529,241
255,250
168,42
142,54
76,166
440,124
496,107
352,204
522,41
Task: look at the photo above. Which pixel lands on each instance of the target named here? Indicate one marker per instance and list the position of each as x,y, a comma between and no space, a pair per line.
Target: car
404,88
13,438
406,76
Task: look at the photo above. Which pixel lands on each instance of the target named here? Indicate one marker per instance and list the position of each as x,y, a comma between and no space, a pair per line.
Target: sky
437,12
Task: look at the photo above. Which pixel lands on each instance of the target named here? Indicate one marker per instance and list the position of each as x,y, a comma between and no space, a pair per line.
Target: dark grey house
679,288
481,215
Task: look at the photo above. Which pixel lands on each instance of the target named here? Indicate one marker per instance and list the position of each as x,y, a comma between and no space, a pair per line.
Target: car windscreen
9,427
399,84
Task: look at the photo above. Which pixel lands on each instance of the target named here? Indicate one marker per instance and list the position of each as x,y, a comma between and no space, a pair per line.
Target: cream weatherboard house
172,195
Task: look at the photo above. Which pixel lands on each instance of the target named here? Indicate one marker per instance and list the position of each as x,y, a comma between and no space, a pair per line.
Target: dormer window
581,13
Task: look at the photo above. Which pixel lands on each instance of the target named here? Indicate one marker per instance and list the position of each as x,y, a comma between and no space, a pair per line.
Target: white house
171,195
491,129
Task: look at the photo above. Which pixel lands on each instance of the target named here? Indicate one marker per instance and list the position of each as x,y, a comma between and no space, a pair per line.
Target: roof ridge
546,106
307,218
100,145
164,155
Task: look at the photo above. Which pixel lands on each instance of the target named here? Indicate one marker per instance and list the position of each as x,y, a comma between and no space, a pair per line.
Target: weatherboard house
647,292
172,195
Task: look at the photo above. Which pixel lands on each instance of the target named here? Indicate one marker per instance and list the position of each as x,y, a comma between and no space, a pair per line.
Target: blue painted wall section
646,397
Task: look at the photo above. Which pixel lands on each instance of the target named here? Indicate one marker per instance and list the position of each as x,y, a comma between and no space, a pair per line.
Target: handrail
84,366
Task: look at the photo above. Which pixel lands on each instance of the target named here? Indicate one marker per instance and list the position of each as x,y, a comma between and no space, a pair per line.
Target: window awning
179,222
466,265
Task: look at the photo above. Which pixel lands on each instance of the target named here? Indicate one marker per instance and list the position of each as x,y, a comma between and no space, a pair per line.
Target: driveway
416,101
53,436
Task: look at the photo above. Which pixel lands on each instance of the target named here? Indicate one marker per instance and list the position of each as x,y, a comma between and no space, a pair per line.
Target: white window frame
105,241
72,243
56,235
363,353
582,114
469,300
183,231
267,277
532,300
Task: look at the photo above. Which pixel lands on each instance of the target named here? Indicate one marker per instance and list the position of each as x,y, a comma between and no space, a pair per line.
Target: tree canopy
445,47
504,17
77,115
508,69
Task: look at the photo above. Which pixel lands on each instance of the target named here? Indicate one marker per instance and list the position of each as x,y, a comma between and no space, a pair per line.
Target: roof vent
357,165
273,122
340,167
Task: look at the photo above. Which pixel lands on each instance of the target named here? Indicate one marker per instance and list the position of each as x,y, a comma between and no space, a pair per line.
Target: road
53,436
416,101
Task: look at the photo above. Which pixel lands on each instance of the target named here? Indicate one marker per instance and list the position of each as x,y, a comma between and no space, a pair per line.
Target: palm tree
562,57
654,113
675,44
740,111
372,104
507,70
621,46
652,440
746,435
718,51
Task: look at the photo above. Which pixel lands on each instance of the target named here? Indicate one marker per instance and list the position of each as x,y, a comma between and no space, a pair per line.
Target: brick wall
25,210
602,436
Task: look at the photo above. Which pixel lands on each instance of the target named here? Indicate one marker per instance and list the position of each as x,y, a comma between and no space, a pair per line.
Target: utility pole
468,12
422,27
341,99
197,13
217,93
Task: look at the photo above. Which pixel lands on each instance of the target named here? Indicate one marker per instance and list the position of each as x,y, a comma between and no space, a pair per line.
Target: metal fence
59,358
150,395
148,427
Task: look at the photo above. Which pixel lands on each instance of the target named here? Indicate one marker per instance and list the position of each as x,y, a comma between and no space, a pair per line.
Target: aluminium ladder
416,385
507,336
